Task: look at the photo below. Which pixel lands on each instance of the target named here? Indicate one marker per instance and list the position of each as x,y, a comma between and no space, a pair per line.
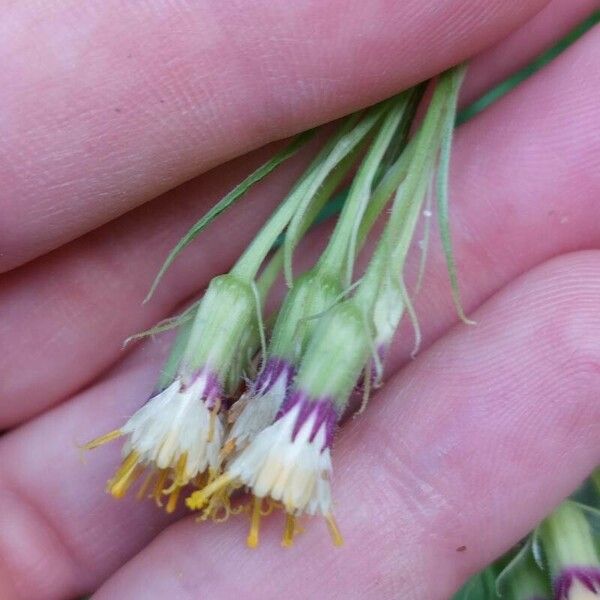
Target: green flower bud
336,355
224,329
570,550
312,294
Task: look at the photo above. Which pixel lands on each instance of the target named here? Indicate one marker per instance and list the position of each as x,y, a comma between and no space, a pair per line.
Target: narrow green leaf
442,197
230,199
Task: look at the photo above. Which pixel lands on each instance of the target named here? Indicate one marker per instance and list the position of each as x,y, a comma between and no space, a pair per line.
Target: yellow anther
103,439
179,478
289,530
125,476
141,493
159,486
200,497
334,531
172,502
252,540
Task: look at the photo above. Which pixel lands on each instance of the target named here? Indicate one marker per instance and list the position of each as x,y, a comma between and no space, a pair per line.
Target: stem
342,246
231,198
457,76
248,264
344,146
393,242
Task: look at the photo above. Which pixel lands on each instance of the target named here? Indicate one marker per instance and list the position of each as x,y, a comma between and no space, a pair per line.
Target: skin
469,445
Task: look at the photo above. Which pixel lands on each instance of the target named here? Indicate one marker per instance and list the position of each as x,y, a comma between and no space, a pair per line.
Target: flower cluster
245,414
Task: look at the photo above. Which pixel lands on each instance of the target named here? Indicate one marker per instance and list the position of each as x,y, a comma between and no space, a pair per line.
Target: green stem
231,198
345,146
457,76
249,263
422,156
342,245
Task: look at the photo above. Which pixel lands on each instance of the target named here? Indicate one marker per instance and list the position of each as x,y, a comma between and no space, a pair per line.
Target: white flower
175,423
288,463
177,434
294,470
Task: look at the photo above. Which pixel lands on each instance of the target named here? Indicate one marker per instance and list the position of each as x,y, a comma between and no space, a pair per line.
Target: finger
454,462
86,298
539,34
105,106
60,535
513,160
67,508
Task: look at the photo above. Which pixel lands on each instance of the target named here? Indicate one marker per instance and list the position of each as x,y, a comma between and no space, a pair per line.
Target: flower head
311,294
289,462
177,435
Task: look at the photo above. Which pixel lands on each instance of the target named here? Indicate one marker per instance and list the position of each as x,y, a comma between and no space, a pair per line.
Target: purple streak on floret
326,416
588,576
274,369
212,391
324,408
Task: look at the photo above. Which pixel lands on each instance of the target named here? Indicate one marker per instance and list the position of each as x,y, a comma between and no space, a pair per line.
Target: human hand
106,108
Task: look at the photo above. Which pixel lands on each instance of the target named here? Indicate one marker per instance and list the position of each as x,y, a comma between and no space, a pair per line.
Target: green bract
566,539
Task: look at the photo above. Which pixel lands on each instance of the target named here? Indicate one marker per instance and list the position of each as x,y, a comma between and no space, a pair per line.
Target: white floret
174,422
295,472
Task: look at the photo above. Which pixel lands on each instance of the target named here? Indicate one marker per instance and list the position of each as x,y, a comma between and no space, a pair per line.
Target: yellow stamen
173,497
200,497
252,540
159,486
218,508
334,531
222,505
219,513
141,493
213,419
289,530
103,439
125,476
179,479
